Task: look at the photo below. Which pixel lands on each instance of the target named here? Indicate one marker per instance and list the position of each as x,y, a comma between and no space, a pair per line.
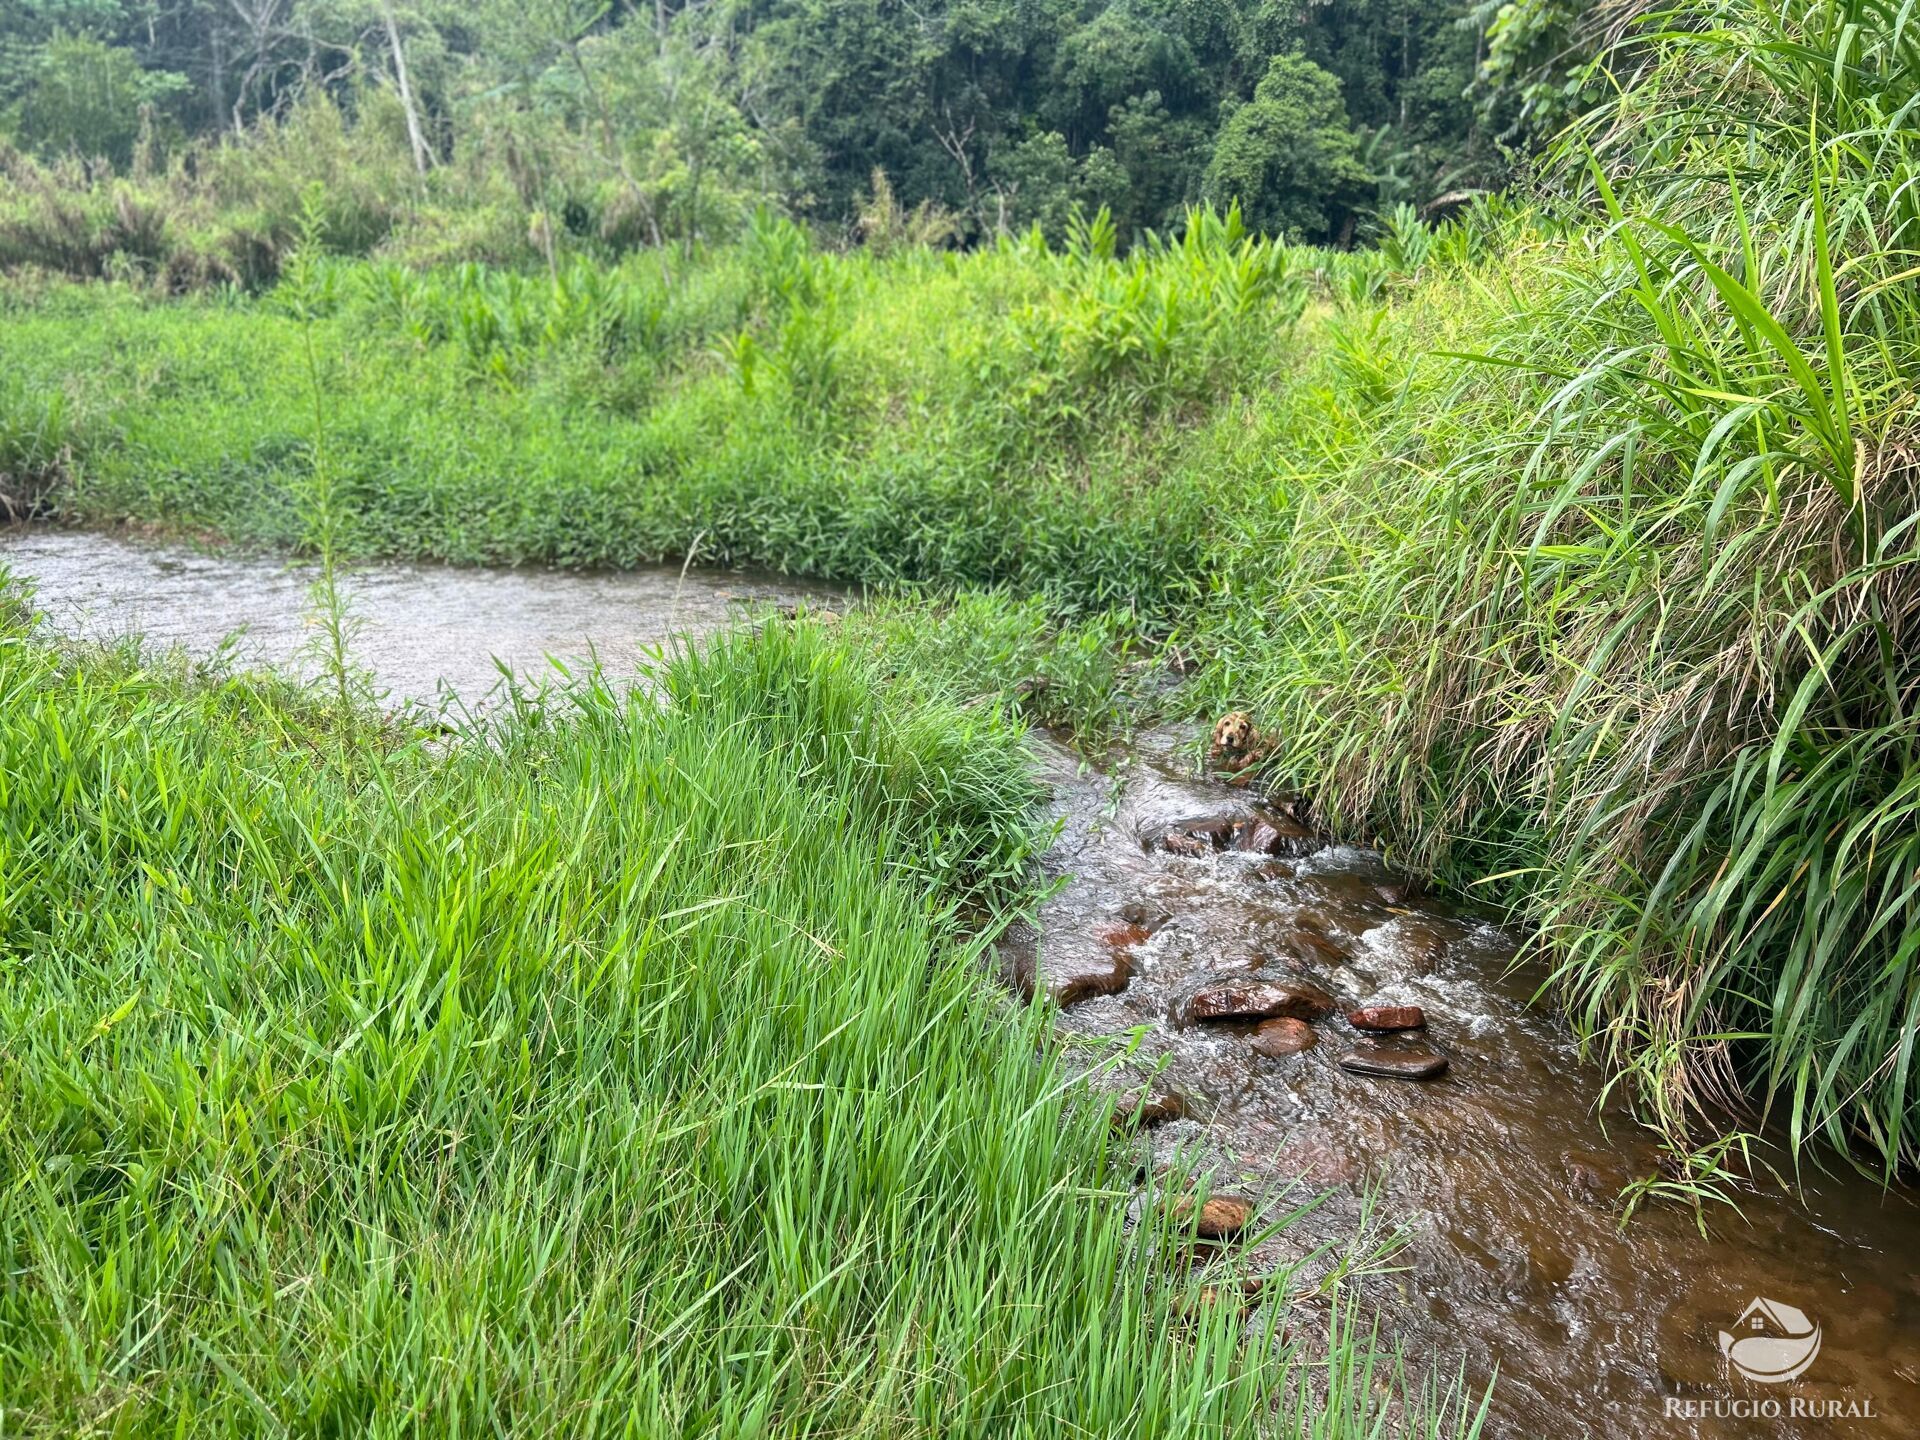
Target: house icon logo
1771,1342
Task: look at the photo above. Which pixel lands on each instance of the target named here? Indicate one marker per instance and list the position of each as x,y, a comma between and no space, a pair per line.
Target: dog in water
1237,743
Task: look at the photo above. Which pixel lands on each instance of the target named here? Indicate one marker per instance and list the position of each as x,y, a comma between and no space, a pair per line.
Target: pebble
1282,1037
1221,1218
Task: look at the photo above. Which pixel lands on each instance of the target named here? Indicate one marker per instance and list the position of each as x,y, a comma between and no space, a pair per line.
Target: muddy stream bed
1184,898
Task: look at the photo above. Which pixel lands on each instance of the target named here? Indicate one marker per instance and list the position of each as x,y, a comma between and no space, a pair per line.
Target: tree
85,95
1289,156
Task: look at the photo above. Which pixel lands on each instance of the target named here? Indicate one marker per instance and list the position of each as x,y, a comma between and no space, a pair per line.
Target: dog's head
1233,732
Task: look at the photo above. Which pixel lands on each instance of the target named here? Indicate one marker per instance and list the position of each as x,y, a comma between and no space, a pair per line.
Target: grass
628,1073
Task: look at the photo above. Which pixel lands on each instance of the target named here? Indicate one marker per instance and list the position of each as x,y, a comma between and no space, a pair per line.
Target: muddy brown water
432,635
1500,1174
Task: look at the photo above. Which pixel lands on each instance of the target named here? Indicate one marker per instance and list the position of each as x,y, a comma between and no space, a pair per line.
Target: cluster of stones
1287,1010
1261,834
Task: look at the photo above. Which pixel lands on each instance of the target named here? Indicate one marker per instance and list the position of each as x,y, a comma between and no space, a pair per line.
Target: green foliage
1288,156
1572,555
37,439
85,97
571,125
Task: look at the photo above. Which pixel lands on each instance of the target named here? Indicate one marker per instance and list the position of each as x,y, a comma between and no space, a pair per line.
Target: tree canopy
670,120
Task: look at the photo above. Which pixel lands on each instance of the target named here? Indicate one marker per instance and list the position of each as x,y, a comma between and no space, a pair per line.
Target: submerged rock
1123,935
1091,978
1199,836
1221,998
1388,1017
1146,915
1273,835
1146,1111
1283,1036
1401,1060
1312,947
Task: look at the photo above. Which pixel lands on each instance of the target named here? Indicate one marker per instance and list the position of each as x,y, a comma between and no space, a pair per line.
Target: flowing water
431,635
1500,1171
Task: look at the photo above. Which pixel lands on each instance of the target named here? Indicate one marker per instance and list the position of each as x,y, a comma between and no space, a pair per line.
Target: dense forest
633,124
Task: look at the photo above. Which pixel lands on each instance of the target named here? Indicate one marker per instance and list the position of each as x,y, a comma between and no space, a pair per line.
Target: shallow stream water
430,634
1500,1171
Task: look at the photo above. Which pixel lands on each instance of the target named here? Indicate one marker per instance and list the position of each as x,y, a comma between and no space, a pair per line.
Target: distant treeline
654,124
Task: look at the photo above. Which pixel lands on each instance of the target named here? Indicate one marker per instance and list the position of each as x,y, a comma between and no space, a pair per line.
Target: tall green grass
1629,628
626,1073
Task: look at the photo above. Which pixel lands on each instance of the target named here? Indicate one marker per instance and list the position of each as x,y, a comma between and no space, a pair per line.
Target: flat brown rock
1221,1218
1253,999
1387,1017
1098,975
1406,1061
1284,1036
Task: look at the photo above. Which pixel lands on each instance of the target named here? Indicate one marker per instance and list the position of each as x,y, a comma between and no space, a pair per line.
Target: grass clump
626,1074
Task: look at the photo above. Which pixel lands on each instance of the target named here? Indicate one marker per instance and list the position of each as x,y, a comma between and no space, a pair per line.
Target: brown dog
1237,744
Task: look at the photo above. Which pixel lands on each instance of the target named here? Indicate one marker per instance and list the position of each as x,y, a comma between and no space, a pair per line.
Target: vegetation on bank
626,1073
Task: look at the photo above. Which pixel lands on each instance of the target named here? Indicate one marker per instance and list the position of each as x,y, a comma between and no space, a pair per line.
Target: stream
1502,1173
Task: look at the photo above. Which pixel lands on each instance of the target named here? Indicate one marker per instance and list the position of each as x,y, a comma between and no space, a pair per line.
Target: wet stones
1384,1018
1397,893
1145,915
1592,1179
1223,998
1397,1059
1262,834
1420,942
1273,835
1313,948
1283,1036
1105,972
1201,836
1123,934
